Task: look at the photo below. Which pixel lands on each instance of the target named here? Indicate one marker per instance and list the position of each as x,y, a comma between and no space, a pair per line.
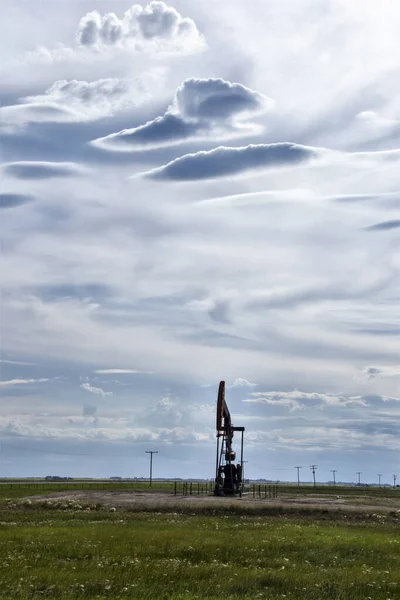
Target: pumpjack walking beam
228,476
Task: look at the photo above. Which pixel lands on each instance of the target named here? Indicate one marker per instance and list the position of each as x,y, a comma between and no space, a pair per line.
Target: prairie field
61,547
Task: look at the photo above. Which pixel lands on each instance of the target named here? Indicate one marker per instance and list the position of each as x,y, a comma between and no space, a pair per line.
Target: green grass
25,488
73,554
22,488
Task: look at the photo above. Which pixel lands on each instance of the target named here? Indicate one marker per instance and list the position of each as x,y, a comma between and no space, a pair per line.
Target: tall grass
76,553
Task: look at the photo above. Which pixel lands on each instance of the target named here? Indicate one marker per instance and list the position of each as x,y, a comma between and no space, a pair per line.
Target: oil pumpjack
228,477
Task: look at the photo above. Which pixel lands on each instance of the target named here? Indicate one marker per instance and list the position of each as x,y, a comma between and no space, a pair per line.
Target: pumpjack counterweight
228,476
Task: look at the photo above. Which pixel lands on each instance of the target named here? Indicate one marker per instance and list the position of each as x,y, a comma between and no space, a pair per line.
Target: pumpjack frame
228,476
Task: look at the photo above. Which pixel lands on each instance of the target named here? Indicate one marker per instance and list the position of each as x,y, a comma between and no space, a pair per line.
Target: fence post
174,488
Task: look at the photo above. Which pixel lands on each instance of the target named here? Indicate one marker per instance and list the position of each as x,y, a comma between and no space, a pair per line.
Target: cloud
297,400
14,200
201,109
385,226
240,382
95,390
155,25
12,382
42,169
17,362
375,372
119,371
165,413
89,410
107,40
224,161
12,118
80,100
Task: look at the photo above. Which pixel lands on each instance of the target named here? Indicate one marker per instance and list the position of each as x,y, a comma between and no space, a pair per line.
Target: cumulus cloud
42,169
224,161
201,109
240,383
157,25
14,200
95,390
166,412
12,382
154,29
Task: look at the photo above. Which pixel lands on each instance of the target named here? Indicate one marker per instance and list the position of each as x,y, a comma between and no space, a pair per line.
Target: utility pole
394,480
379,475
244,462
359,473
151,452
298,475
313,469
334,471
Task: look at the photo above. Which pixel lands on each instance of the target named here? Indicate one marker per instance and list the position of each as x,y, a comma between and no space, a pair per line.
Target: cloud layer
42,169
14,200
201,109
95,390
225,161
276,265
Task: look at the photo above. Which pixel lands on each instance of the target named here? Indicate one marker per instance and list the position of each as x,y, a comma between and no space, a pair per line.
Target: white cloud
382,371
17,362
74,100
157,25
240,382
297,400
120,371
202,109
95,390
12,382
12,118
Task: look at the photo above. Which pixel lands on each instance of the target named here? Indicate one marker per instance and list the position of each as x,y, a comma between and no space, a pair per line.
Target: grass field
24,488
20,489
77,552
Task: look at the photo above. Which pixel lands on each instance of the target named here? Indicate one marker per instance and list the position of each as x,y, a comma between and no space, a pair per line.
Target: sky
194,192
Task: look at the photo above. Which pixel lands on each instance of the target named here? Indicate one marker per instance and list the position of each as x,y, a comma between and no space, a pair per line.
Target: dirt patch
169,502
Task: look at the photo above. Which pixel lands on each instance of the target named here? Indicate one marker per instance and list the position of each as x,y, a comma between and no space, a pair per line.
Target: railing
193,488
264,491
